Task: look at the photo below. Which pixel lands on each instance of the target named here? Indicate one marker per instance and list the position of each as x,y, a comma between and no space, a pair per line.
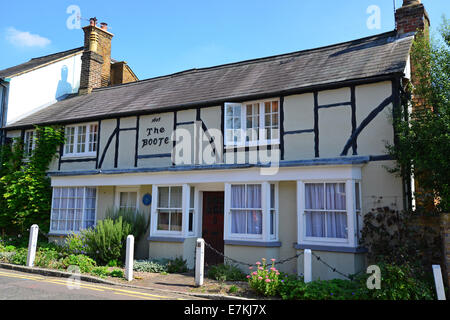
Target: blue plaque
147,199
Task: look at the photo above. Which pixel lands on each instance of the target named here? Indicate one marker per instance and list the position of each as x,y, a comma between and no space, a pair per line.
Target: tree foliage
423,142
25,191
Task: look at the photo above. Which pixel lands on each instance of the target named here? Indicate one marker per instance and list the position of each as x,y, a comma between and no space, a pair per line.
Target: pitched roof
379,55
37,62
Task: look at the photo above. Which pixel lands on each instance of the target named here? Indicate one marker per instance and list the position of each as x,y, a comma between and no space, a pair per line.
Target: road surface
16,285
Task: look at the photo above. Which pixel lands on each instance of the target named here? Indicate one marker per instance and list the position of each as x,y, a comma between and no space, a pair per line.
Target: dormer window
81,140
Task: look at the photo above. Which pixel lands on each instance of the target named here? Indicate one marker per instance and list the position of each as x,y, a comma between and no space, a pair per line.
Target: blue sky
162,37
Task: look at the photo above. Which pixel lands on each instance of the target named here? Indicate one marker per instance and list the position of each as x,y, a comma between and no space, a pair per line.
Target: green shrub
118,273
335,289
19,256
74,244
233,289
226,272
48,258
101,272
138,220
264,280
85,263
177,265
398,283
106,241
154,266
10,248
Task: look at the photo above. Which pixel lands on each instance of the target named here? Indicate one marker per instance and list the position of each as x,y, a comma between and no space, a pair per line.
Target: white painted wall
39,88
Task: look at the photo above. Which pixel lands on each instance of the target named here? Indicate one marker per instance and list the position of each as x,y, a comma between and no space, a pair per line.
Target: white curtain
329,223
336,221
244,197
238,202
315,222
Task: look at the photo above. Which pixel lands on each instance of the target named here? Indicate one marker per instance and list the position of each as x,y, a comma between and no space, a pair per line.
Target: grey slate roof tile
363,58
37,62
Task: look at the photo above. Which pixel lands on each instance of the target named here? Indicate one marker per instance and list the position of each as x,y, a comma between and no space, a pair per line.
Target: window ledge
166,239
253,243
79,156
330,248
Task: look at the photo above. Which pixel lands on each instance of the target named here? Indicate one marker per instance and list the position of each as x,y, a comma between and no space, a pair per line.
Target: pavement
32,283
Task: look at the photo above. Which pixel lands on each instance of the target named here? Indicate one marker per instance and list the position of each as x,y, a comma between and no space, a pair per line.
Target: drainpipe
3,109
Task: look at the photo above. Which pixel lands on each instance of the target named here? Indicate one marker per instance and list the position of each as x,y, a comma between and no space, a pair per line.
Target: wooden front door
212,229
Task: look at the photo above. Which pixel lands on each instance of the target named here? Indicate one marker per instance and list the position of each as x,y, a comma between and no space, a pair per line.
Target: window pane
191,197
175,221
238,221
272,222
238,196
163,220
314,196
176,197
336,225
315,224
272,196
163,197
274,106
253,196
335,196
254,222
191,221
357,199
81,143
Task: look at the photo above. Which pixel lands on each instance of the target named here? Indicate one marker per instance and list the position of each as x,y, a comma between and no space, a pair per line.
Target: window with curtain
81,140
325,210
169,208
128,200
246,209
73,209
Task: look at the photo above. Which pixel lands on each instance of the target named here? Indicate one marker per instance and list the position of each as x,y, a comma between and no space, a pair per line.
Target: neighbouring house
261,158
42,81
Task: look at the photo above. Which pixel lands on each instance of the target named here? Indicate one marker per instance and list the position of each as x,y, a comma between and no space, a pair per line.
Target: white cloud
25,39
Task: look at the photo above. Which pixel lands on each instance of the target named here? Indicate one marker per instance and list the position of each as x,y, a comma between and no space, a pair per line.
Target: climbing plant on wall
25,191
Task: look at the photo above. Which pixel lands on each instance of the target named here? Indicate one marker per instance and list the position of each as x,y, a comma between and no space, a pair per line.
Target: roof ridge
53,54
249,61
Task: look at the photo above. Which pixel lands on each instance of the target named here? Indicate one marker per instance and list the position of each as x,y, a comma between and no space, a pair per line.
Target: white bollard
199,262
129,258
438,281
32,243
307,267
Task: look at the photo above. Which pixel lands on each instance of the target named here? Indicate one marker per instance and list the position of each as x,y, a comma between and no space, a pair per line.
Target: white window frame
351,240
26,142
265,209
86,153
119,190
243,130
65,232
184,233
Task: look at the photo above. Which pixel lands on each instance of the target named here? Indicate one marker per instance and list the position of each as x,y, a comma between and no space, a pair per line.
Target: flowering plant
264,280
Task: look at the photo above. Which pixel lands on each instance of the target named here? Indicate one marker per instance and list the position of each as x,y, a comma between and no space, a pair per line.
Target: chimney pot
93,21
104,26
410,2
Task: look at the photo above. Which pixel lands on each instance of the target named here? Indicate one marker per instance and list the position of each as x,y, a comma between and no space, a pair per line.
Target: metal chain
350,277
248,264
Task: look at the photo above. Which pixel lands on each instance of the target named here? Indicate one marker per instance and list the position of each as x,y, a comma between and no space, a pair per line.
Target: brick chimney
96,58
411,16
